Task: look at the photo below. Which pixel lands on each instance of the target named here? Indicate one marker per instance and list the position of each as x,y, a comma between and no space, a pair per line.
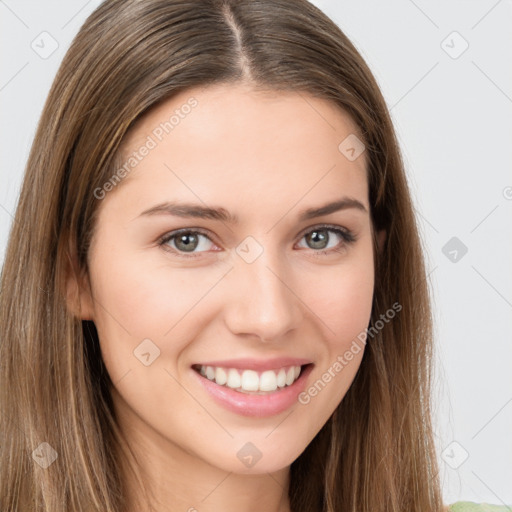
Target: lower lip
259,406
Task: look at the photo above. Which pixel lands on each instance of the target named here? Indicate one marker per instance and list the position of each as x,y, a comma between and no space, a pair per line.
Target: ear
381,238
77,289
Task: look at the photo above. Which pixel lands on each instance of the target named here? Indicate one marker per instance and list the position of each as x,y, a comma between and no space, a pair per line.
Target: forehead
207,141
246,115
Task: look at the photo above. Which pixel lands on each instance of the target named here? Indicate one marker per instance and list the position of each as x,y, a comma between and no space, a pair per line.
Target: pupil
318,237
188,246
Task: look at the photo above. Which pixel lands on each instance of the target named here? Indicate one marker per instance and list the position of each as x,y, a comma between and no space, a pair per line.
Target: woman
214,295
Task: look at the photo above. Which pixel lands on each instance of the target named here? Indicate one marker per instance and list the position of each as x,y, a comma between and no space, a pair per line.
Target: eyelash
347,236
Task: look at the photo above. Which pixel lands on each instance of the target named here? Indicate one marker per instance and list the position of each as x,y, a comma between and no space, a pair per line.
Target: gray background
452,111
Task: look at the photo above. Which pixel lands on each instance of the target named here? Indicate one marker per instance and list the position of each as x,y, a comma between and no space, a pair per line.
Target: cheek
343,305
145,296
342,297
140,298
349,313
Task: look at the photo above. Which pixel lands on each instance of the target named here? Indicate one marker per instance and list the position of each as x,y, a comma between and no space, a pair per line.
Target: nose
262,302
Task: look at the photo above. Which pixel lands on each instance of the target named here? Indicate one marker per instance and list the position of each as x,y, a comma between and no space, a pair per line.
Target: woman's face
275,290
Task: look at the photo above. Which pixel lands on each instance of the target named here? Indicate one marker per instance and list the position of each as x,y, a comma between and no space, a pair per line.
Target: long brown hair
376,452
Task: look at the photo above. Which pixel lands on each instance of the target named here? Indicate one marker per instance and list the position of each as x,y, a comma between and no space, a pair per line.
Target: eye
319,238
184,242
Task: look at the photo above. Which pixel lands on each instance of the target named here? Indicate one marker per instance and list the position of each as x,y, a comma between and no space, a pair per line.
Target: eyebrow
190,210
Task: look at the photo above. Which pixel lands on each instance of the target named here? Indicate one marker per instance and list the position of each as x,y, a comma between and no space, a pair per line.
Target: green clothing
470,506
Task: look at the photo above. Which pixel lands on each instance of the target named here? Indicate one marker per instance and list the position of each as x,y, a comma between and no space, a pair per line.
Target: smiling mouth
251,381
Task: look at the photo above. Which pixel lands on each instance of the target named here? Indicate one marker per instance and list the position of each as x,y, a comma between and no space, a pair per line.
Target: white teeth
221,377
210,372
268,381
281,378
290,376
234,379
250,380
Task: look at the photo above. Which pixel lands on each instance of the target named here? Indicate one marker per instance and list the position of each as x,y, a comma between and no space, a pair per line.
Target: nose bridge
263,303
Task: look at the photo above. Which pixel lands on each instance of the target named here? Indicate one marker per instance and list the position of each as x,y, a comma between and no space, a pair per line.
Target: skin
264,157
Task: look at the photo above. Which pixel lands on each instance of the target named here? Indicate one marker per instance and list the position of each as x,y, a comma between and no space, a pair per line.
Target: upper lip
257,364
